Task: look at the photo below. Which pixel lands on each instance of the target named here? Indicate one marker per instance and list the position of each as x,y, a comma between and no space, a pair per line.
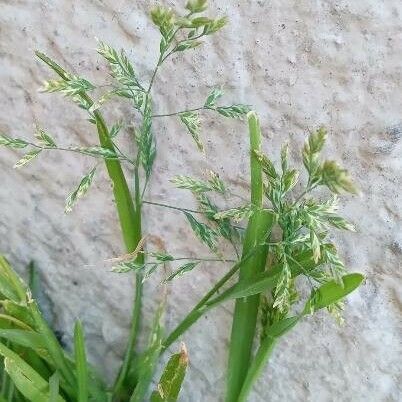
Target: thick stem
124,203
137,302
261,357
246,309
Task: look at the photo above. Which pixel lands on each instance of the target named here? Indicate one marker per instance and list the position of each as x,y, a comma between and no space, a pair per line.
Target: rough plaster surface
301,64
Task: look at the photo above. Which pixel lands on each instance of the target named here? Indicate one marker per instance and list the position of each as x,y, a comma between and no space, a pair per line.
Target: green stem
261,357
246,309
158,204
128,216
137,302
182,111
123,157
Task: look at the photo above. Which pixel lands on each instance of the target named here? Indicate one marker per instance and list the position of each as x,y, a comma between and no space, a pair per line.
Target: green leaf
28,157
215,94
332,292
207,235
31,385
11,286
54,384
189,266
281,327
12,142
53,347
29,339
172,378
246,288
80,191
5,318
81,362
192,121
19,311
233,111
53,65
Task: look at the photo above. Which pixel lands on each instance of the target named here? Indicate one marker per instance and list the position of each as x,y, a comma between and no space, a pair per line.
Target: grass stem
260,359
246,309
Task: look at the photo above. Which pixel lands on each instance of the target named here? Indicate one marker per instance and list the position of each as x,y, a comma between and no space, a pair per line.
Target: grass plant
283,233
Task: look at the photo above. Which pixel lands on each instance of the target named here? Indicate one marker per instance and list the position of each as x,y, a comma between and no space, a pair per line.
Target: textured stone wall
300,64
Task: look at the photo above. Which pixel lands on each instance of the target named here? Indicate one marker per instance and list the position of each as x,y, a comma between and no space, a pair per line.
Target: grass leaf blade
54,383
81,362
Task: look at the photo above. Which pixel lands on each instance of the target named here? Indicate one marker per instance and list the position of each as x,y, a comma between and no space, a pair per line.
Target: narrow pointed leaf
28,339
333,292
246,288
25,378
81,362
281,327
11,286
54,383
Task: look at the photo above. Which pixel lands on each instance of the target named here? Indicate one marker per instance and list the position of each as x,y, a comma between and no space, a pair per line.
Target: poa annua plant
284,241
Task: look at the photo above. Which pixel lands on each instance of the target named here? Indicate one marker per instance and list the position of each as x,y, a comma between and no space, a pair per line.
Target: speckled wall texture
300,64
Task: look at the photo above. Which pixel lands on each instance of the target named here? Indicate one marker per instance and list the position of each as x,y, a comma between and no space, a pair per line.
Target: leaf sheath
246,309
